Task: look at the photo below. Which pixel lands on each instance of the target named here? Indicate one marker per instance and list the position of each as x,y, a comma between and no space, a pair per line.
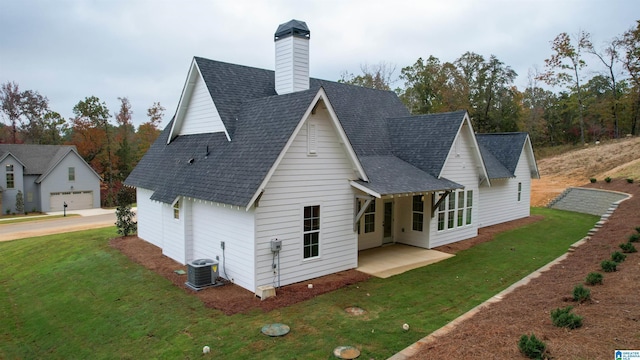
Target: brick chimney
292,57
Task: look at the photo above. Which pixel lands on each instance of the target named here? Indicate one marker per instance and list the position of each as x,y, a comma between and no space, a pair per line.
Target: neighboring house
48,177
325,168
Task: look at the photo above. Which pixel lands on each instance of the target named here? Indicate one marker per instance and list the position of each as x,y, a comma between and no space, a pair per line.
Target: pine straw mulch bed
232,299
611,319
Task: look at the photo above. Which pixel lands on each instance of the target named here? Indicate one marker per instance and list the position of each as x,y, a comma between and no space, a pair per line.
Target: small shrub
607,179
609,266
8,211
638,229
531,347
593,278
581,294
593,180
630,181
562,317
628,248
618,257
634,238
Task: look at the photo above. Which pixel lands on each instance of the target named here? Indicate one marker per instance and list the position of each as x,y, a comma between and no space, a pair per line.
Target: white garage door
75,200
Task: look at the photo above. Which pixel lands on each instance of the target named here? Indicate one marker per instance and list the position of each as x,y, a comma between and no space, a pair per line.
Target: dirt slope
617,159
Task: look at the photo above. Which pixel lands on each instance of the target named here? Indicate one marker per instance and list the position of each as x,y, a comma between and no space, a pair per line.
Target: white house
325,168
48,176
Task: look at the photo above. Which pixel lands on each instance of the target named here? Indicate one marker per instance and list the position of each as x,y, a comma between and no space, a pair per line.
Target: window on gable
10,177
72,174
176,210
311,232
370,218
418,213
519,191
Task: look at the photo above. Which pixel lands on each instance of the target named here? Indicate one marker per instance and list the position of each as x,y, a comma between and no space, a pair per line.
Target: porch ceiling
386,261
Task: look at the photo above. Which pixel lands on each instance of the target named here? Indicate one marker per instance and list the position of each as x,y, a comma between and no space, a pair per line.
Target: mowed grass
72,296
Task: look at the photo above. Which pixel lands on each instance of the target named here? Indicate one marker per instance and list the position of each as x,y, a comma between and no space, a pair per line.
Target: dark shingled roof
428,151
384,178
232,170
37,159
501,152
260,122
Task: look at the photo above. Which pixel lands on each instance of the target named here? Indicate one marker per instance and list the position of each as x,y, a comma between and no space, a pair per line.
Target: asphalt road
55,226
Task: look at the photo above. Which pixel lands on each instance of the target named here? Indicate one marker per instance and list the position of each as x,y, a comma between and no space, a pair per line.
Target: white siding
372,239
173,232
149,217
201,115
461,166
292,65
499,203
305,180
214,223
404,232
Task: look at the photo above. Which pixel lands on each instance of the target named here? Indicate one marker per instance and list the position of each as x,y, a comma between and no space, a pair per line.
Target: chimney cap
295,28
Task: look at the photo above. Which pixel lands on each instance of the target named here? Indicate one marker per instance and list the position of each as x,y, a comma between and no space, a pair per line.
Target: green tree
124,213
125,152
19,203
565,65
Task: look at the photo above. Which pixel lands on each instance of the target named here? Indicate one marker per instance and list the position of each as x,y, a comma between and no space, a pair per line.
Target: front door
388,223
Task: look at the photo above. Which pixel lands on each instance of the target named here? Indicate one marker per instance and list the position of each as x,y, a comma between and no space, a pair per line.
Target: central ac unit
201,273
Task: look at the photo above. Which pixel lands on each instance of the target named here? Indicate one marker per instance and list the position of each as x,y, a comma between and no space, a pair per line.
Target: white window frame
417,219
309,229
72,174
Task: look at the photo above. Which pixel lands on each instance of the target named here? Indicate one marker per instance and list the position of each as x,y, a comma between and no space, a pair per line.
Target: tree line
112,150
584,93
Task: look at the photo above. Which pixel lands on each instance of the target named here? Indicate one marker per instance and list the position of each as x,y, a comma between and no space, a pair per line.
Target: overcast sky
68,50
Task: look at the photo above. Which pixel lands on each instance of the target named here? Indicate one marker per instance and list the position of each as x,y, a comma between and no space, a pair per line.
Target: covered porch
394,259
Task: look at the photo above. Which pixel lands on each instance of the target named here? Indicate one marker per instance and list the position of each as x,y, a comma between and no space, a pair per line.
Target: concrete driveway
85,219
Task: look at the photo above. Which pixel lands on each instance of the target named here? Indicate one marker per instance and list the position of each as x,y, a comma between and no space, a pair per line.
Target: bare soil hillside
616,159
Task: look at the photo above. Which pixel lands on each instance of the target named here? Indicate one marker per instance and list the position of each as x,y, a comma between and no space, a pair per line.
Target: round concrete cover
346,352
275,329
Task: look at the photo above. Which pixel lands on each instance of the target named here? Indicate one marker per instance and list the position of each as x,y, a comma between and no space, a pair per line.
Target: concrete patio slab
395,259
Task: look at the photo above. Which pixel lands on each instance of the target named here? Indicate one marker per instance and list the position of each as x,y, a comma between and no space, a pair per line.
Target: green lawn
72,296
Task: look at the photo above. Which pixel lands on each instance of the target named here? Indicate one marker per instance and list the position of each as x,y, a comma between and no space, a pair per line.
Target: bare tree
565,65
10,103
609,56
378,76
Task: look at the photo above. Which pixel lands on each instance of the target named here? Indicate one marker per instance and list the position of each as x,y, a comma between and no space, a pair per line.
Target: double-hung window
72,174
452,210
10,178
469,205
418,213
311,231
370,218
519,191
